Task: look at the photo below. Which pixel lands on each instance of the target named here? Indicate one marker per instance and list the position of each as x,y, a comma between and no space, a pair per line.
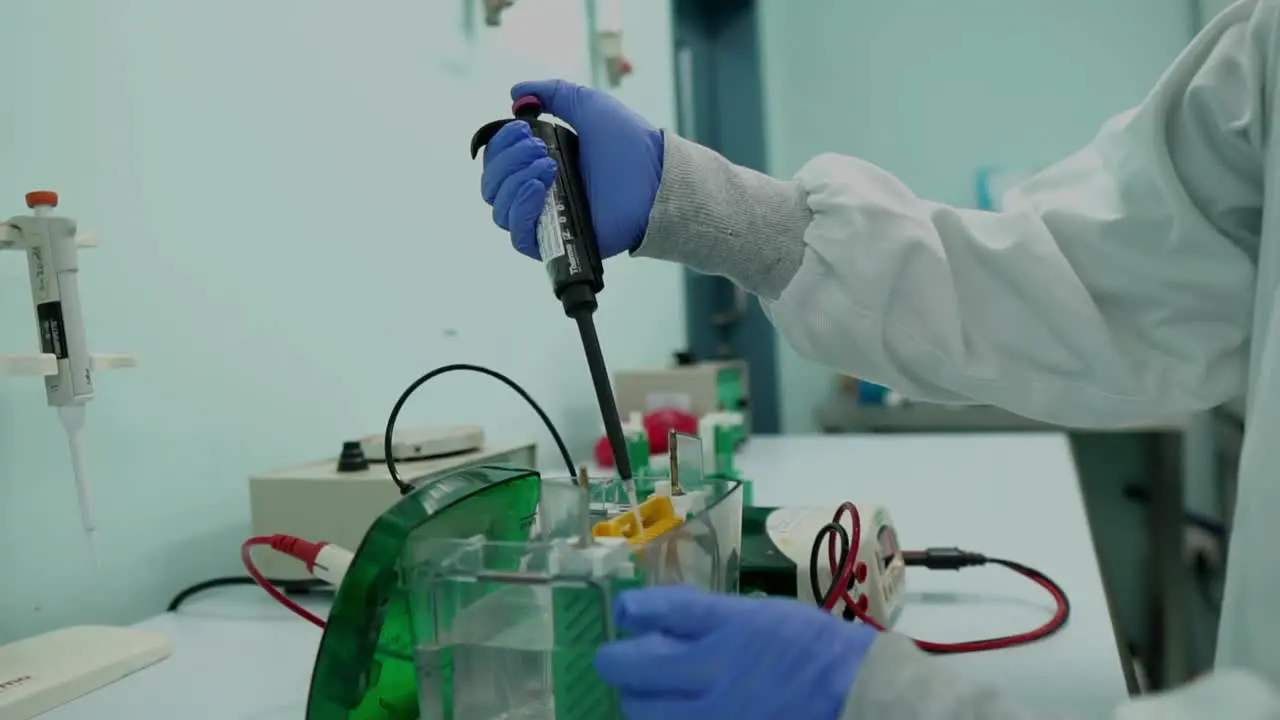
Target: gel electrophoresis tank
486,593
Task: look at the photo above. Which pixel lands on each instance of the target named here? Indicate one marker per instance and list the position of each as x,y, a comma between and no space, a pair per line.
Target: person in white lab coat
1135,281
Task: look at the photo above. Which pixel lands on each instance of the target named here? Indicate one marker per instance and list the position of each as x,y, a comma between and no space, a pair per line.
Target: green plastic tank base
580,694
365,667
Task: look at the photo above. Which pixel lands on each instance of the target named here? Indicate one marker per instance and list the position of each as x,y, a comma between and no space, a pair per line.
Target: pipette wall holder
45,364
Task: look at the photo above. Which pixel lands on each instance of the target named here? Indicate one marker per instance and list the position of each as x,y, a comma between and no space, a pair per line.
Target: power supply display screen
888,541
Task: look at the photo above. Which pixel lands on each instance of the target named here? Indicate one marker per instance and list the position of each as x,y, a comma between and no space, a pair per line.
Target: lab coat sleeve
898,682
1116,287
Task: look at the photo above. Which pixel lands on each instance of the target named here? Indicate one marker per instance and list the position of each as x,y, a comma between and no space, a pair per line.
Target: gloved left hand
696,655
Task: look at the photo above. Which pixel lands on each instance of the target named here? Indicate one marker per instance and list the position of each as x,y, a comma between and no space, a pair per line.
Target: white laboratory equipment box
337,499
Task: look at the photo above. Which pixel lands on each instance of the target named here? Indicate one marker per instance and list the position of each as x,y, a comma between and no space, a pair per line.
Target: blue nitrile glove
692,654
620,155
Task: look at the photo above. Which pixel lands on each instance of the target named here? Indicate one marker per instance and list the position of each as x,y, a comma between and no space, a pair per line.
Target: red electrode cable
843,569
328,562
294,547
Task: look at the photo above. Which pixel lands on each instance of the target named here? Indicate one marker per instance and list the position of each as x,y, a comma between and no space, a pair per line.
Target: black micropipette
567,245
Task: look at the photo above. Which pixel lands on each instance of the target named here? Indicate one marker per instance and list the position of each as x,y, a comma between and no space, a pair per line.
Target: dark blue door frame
720,104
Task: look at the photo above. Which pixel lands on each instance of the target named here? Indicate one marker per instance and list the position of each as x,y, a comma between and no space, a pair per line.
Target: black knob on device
352,458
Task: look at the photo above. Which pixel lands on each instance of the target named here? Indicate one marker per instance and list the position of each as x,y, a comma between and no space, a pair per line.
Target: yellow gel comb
657,514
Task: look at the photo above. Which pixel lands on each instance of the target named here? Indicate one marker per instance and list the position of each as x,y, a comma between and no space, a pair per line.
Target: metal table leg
1168,657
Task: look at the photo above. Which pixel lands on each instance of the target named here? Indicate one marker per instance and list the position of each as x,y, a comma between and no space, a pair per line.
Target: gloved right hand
694,655
620,154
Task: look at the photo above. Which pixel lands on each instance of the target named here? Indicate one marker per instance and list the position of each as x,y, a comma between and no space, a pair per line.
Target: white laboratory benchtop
1015,497
238,656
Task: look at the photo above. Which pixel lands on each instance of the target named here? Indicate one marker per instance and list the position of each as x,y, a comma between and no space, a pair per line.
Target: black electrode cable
406,487
291,587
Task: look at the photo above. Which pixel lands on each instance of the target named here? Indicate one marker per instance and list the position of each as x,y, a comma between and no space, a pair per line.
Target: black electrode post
567,246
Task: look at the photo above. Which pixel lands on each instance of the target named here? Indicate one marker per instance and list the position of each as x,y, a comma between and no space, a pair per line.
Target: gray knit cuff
722,219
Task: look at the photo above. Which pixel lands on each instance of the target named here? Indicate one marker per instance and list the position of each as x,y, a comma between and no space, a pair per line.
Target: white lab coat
1135,281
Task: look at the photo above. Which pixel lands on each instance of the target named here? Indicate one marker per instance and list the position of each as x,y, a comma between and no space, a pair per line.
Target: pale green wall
291,231
932,91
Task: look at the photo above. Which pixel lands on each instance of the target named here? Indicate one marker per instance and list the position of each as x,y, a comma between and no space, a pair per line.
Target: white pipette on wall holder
51,243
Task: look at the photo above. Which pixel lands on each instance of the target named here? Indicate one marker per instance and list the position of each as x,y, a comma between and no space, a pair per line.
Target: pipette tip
92,538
